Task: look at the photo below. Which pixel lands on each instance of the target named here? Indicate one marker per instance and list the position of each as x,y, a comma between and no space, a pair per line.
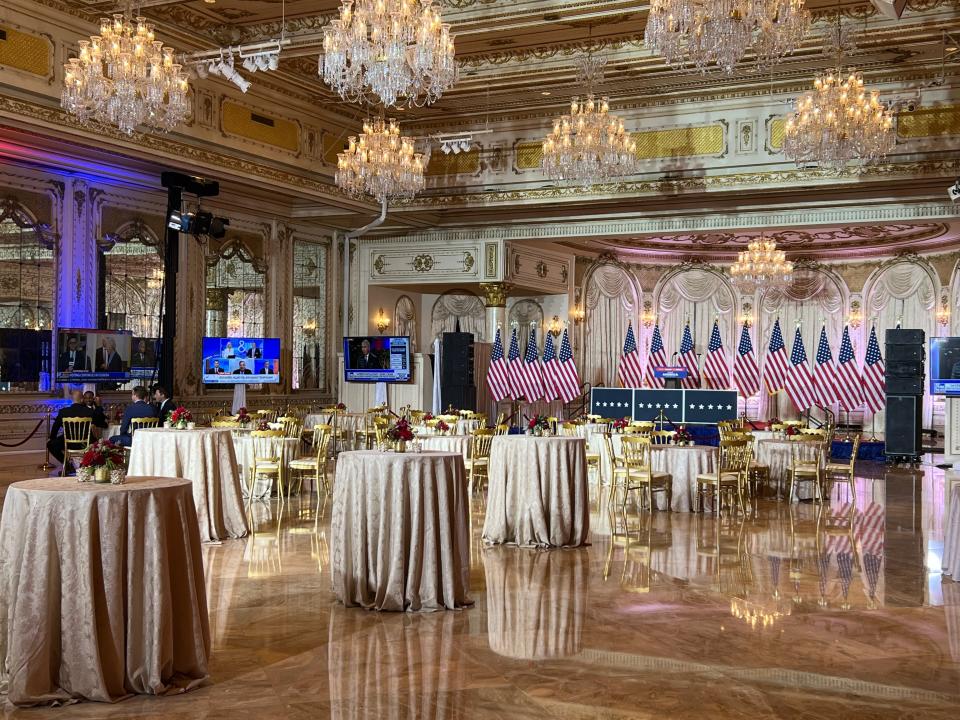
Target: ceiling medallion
589,145
398,51
701,33
381,163
761,264
125,77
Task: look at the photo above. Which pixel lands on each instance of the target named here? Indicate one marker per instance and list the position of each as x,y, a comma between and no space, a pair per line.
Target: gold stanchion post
46,451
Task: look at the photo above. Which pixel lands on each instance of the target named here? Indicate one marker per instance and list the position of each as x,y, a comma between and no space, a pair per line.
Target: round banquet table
537,495
101,590
951,535
287,448
777,455
400,535
535,602
448,443
204,456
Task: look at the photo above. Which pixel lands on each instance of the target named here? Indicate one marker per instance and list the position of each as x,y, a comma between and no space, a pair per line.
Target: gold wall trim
467,163
529,155
25,51
929,122
244,122
776,128
680,141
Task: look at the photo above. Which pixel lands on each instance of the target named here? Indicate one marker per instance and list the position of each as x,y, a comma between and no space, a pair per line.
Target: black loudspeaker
897,385
902,426
457,387
904,370
906,354
910,336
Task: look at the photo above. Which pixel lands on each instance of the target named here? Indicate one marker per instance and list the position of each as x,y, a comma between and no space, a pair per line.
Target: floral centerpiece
791,430
683,436
538,425
341,407
620,424
400,433
244,417
104,462
442,427
263,425
427,416
180,418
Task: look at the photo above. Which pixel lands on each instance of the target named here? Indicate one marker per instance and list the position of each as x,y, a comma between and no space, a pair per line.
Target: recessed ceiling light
545,92
209,2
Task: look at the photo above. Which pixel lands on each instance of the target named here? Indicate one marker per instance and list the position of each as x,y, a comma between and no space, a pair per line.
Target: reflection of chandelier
393,49
705,32
589,145
756,614
761,264
380,163
125,77
837,123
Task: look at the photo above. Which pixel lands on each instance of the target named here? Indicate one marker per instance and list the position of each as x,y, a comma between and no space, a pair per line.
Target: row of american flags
532,378
824,384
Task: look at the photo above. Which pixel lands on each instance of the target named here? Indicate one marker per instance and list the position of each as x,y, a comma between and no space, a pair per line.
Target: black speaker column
457,385
904,363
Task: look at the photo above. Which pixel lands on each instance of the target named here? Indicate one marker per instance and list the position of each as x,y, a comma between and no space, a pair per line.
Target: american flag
746,373
549,364
874,386
775,363
688,358
630,371
716,367
849,382
498,376
515,367
824,373
532,370
657,357
799,379
565,378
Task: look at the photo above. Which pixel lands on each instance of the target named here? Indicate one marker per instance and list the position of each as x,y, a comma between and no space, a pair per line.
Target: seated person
139,408
162,401
242,369
55,443
99,416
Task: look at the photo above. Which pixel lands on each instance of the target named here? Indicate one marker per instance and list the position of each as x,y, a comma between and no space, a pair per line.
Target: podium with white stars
696,407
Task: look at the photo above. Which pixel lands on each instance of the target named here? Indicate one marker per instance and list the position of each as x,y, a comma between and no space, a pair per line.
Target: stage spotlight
273,61
465,145
251,63
445,148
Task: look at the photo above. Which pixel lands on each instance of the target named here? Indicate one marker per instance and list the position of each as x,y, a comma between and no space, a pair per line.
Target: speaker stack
457,386
904,363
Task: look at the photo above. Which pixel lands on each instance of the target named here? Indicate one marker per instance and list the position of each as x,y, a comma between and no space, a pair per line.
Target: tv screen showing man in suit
231,360
87,355
385,358
945,366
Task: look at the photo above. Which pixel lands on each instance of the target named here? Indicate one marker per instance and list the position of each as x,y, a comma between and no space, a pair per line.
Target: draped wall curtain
816,297
405,319
460,306
523,313
700,296
612,299
908,291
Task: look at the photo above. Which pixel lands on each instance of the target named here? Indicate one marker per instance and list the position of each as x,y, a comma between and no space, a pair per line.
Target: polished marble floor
788,613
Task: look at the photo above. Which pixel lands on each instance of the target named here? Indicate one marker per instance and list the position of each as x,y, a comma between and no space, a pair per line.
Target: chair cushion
304,464
267,466
841,467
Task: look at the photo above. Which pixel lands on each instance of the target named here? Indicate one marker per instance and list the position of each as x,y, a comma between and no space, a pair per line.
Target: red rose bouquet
181,416
341,407
400,430
442,427
791,430
427,416
243,416
103,453
683,435
538,422
621,423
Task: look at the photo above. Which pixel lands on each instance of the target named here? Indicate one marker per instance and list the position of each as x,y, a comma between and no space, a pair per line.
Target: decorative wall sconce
555,327
647,317
943,313
855,318
381,320
310,328
577,314
746,315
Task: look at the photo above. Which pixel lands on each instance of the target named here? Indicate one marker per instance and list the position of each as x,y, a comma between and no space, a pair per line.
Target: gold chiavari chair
291,426
803,469
501,418
813,432
732,470
266,415
366,436
639,473
503,429
266,458
143,422
617,468
317,462
481,418
76,439
836,471
380,426
568,429
663,437
478,464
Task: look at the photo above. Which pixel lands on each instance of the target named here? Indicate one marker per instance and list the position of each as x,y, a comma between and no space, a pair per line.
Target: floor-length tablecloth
400,531
778,456
205,456
448,443
101,590
951,536
537,494
286,448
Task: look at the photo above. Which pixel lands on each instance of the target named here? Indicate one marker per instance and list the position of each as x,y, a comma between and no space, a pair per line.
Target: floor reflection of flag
823,567
774,571
845,563
838,542
871,568
870,536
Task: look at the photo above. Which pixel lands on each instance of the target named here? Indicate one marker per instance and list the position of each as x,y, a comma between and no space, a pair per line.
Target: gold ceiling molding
467,163
250,124
795,239
673,142
929,122
776,134
231,34
26,51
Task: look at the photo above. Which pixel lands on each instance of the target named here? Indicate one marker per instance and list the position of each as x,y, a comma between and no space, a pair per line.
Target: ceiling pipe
352,235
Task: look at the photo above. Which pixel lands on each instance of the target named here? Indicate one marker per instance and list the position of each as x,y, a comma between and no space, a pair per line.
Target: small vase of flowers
400,433
683,436
243,417
442,427
341,407
791,430
104,461
538,425
181,418
620,424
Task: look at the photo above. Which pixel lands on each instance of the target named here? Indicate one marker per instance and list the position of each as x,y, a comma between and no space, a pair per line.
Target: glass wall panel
309,315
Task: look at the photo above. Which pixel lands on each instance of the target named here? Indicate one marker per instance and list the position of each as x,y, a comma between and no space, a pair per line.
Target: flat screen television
945,366
24,354
233,360
144,353
87,355
383,358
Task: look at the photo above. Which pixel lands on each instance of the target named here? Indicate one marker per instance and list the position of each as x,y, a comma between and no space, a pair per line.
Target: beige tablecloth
101,590
448,443
287,448
205,456
536,602
537,494
777,454
951,537
400,531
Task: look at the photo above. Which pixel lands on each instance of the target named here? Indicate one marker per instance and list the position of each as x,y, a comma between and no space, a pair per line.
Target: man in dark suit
162,401
73,358
55,443
144,355
108,360
254,352
242,369
139,408
367,359
99,416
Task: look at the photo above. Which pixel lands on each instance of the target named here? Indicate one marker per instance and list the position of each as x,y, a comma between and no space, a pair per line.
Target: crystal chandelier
396,50
380,163
707,32
125,77
761,264
589,145
838,123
